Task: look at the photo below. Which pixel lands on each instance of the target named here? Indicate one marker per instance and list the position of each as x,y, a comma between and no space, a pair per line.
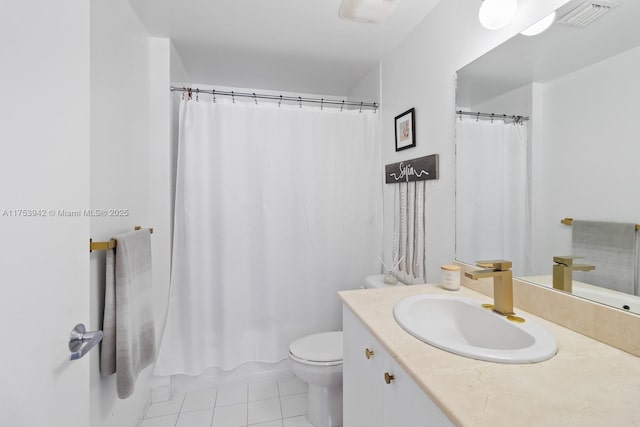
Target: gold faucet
563,270
500,270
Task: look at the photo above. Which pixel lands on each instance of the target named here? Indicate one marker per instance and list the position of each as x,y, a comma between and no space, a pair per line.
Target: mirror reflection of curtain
493,218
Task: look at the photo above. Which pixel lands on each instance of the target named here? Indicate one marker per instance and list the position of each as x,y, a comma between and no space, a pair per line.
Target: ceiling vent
586,13
374,11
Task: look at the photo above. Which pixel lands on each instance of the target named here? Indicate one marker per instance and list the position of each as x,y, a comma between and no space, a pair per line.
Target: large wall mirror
562,143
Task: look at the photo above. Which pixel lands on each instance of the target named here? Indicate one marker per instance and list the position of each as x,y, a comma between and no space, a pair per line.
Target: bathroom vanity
587,383
377,392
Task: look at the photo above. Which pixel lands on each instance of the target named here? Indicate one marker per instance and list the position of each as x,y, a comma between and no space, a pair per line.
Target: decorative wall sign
406,130
420,169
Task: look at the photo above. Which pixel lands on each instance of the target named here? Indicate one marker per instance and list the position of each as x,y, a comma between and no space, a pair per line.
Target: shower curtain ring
280,101
492,117
342,105
233,97
213,93
375,108
300,102
197,94
361,102
477,116
255,99
321,104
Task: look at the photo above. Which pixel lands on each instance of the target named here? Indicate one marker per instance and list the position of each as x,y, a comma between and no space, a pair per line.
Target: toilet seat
324,349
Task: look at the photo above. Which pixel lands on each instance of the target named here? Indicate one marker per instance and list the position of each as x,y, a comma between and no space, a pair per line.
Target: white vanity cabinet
377,391
362,376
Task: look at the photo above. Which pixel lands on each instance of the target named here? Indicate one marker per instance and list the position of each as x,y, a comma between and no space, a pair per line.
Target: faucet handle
565,259
499,264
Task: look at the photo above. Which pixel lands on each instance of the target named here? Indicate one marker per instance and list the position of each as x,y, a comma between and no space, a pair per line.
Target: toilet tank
377,281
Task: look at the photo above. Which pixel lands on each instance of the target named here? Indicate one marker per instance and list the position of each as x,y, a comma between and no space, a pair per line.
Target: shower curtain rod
492,116
196,91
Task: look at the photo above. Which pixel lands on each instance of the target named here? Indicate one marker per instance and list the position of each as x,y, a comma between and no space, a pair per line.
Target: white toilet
317,360
377,281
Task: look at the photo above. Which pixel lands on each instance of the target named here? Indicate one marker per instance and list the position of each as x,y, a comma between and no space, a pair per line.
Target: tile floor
275,403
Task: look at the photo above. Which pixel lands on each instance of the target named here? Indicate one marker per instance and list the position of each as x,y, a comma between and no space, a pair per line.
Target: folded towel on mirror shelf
611,247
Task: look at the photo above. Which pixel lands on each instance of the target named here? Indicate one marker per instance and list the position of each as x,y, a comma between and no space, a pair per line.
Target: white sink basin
462,326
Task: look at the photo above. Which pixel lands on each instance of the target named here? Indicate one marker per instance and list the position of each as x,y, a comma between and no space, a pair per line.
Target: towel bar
103,246
569,221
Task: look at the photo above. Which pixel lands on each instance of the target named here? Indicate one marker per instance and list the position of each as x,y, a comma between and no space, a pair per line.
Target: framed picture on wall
406,130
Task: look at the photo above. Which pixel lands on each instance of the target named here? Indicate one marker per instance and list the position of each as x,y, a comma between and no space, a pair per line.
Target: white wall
165,68
586,159
420,73
368,88
44,165
179,77
160,183
120,172
517,102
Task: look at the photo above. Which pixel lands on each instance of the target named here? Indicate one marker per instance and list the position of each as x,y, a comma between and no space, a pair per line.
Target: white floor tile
294,405
232,394
263,390
277,423
166,421
200,399
170,407
195,418
291,385
261,411
297,422
230,416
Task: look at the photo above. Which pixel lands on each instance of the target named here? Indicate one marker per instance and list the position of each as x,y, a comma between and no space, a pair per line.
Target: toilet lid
323,347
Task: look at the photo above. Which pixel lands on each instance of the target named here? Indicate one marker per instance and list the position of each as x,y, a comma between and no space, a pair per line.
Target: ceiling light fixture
372,11
496,14
540,26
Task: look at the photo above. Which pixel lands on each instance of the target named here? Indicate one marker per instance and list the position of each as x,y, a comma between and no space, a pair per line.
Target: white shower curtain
277,208
493,218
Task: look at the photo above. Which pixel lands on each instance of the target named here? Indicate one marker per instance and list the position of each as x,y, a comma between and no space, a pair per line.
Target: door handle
81,341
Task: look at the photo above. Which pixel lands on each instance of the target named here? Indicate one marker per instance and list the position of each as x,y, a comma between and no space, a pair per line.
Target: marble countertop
587,383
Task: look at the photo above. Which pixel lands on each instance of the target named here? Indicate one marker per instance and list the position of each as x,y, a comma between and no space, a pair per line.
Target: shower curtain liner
277,208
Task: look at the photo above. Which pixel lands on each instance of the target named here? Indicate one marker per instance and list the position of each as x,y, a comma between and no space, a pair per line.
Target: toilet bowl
317,360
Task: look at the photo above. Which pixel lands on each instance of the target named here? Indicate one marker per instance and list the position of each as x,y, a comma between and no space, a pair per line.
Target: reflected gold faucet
563,271
500,270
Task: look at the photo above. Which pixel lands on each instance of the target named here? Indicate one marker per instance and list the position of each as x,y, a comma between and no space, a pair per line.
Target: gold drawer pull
368,353
388,378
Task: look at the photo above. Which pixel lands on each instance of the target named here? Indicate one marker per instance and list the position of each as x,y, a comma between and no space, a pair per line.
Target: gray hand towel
610,246
128,315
